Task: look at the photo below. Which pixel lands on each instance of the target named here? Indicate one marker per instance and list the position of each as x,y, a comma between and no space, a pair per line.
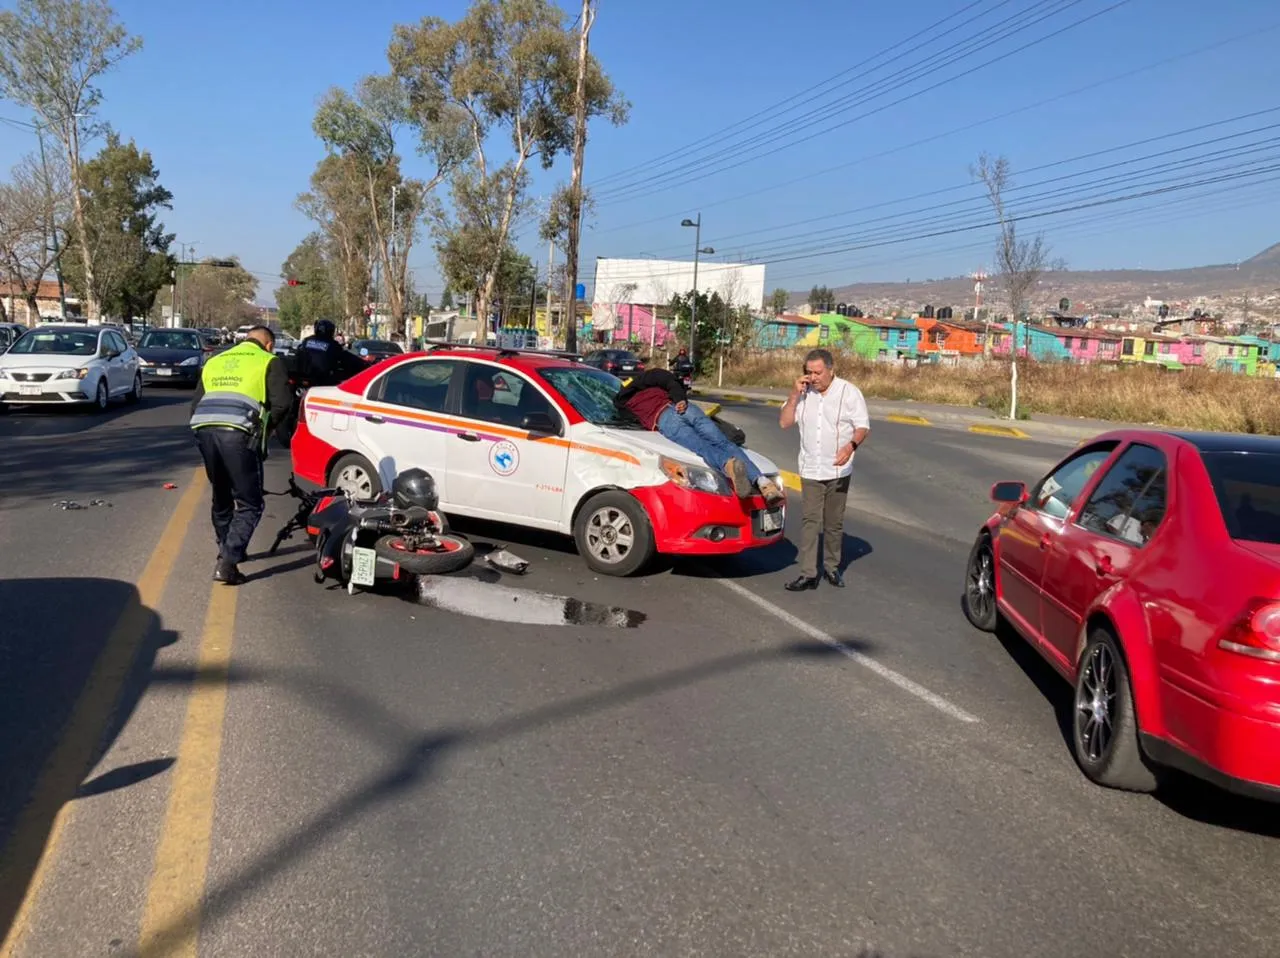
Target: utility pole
575,186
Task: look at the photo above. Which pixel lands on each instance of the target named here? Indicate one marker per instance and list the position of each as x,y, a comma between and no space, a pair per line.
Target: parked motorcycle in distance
393,538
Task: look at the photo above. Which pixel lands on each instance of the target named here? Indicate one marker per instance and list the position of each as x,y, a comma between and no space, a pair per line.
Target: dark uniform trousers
233,463
822,503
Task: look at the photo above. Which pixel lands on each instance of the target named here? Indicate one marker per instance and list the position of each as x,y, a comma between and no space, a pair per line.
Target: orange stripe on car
361,407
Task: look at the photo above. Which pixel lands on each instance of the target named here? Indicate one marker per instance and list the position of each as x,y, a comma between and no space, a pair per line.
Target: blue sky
223,96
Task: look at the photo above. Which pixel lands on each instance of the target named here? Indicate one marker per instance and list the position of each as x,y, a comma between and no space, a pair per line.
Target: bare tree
33,205
52,55
1019,261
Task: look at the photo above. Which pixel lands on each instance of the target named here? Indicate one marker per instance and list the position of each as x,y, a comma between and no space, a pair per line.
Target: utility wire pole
575,187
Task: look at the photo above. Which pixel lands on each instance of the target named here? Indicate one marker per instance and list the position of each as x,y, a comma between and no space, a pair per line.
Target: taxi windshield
61,342
589,391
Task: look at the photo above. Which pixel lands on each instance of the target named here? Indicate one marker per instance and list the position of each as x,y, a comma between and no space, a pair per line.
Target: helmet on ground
415,487
325,329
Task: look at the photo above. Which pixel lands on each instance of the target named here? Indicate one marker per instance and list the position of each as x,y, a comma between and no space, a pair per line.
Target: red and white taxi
531,439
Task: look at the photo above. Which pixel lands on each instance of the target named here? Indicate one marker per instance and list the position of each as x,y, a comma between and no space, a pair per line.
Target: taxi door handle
375,419
468,436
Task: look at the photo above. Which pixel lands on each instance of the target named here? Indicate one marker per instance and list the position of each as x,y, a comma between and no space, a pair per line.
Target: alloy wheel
610,535
1096,695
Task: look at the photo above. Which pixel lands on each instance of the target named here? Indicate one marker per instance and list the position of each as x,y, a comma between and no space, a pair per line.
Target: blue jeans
697,433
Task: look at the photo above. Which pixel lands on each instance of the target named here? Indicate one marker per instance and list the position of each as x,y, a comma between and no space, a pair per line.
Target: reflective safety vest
235,389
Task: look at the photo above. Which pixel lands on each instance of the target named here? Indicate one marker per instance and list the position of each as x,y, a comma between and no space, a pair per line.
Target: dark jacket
279,395
649,379
323,362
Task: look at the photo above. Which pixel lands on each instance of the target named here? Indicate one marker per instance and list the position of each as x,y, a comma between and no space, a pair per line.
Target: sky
830,139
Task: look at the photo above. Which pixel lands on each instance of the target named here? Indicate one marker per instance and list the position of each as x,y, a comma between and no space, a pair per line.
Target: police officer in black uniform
321,361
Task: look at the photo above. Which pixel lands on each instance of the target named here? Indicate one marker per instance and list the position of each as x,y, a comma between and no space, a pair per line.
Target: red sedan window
1058,490
1247,486
1130,500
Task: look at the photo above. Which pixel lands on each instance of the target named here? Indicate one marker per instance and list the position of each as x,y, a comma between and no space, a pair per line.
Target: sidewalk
1060,429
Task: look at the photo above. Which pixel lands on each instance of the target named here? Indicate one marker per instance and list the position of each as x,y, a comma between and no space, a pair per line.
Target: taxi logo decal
504,458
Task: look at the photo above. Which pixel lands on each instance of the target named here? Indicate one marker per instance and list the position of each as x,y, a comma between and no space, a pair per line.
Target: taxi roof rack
501,351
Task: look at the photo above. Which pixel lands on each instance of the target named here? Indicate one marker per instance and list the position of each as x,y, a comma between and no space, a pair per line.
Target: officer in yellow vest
242,394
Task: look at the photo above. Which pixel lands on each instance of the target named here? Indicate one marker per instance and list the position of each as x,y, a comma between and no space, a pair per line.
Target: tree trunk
77,208
575,185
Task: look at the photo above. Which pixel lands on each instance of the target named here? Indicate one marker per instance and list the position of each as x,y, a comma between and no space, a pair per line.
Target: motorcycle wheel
454,553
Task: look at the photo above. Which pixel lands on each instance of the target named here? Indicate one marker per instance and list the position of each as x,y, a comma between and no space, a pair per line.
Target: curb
708,408
907,419
990,429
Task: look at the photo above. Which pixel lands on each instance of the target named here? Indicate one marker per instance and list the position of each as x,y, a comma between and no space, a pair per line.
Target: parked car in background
376,350
69,364
1145,568
616,361
9,332
173,356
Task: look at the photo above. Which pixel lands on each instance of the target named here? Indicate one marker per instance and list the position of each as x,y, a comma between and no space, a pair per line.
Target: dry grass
1191,399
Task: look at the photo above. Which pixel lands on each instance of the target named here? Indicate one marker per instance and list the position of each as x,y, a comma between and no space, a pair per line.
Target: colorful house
1089,345
943,338
1036,342
876,339
1230,354
787,331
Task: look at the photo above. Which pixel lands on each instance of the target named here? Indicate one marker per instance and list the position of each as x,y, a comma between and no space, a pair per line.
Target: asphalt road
295,771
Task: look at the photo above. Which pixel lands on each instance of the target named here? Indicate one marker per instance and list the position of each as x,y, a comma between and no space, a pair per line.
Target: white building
652,282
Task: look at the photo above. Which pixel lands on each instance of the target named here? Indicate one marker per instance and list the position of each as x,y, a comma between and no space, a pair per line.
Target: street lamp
697,248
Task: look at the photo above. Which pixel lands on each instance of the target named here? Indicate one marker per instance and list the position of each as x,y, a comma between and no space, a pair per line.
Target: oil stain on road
498,603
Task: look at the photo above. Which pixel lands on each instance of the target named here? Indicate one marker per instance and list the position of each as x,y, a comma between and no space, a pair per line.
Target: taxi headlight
699,478
73,374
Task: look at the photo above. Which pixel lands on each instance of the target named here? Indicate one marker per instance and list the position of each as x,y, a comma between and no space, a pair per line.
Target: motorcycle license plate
771,520
363,564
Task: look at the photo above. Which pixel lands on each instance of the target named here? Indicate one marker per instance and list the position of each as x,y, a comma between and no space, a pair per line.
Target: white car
69,364
529,439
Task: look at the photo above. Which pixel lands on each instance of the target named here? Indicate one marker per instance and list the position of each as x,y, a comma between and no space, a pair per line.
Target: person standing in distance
241,393
831,414
322,360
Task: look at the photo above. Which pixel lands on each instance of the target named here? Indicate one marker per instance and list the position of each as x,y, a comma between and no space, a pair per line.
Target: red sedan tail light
1256,632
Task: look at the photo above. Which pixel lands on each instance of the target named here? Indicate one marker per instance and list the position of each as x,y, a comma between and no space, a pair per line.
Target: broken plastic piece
171,485
507,561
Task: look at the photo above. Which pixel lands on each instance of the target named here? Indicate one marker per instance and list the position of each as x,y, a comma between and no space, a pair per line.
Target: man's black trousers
233,463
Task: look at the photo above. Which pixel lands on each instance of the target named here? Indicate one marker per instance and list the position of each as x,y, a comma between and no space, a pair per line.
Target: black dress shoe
801,583
228,574
835,578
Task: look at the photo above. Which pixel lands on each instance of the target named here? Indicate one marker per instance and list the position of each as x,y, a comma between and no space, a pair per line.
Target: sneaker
736,470
769,489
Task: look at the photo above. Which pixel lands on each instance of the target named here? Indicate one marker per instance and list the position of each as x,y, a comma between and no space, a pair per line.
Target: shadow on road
52,422
414,754
51,465
1187,796
75,657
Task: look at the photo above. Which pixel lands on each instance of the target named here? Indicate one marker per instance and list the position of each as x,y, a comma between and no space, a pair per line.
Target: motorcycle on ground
392,538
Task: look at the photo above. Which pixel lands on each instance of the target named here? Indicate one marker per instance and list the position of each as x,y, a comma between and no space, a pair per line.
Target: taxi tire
101,396
355,459
135,394
643,547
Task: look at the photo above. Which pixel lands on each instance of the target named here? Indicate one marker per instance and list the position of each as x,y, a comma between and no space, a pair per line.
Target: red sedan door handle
1103,565
1044,541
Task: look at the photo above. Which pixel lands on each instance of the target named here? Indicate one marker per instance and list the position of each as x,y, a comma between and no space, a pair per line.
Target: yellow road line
991,429
171,921
907,419
49,809
790,479
708,408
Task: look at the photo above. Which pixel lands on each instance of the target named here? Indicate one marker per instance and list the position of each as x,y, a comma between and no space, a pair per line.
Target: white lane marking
886,673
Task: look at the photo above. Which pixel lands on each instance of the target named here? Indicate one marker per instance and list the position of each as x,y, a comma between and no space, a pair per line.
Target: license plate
363,564
771,520
164,372
30,390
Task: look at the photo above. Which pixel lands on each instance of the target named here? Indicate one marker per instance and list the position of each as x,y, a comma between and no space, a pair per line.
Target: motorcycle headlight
193,361
73,373
699,478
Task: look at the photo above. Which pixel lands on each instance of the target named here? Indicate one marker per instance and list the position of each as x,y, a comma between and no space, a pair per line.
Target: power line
773,109
1195,52
640,186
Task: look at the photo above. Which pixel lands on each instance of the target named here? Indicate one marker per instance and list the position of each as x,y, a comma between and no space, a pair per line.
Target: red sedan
1145,567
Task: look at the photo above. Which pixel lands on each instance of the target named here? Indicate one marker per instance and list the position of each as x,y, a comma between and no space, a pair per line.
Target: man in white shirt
832,416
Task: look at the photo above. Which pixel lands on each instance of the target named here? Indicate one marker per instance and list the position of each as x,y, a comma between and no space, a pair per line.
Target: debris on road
70,504
171,485
498,603
506,561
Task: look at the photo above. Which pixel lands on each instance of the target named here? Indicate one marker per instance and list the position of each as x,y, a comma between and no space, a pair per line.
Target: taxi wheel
102,398
613,534
135,394
354,475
